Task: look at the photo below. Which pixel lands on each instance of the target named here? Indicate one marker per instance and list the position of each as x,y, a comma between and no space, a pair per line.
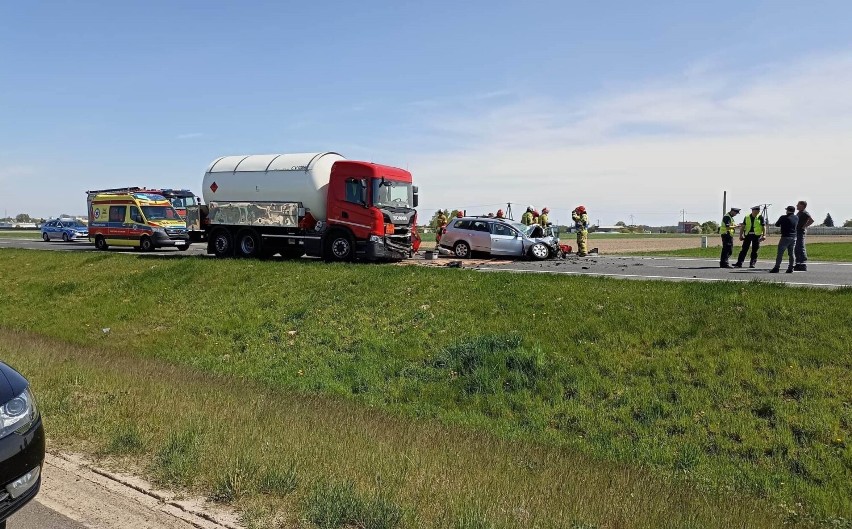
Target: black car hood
12,383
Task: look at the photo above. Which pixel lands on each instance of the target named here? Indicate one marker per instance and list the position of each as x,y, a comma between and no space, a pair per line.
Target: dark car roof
12,383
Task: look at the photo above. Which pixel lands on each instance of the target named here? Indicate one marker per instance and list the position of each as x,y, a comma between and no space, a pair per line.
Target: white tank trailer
290,178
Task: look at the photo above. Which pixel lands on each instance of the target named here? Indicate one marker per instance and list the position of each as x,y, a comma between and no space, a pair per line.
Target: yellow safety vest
758,227
543,219
527,218
726,229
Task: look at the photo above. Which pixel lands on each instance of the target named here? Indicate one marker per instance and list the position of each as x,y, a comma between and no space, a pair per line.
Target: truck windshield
160,213
392,193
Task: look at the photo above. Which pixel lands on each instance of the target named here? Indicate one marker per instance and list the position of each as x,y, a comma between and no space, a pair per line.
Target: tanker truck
314,204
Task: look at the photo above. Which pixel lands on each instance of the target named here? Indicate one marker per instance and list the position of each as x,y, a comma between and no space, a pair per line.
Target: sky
641,111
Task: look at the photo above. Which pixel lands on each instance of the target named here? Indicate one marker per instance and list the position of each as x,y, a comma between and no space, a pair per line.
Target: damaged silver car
500,238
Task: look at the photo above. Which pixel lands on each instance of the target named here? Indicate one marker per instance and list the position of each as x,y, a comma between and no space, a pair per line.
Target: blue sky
632,108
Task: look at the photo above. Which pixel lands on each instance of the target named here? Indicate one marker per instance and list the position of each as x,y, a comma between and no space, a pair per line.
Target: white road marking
674,278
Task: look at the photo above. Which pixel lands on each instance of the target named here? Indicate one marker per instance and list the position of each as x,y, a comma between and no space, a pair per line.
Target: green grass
665,377
818,251
20,234
293,460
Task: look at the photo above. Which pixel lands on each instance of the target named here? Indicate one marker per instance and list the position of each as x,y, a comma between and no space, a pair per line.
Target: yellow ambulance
143,221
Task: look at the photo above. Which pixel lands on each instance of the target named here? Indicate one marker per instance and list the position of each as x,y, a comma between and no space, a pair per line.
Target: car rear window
462,225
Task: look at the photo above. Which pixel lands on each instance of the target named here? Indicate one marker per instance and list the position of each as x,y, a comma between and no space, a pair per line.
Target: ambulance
144,221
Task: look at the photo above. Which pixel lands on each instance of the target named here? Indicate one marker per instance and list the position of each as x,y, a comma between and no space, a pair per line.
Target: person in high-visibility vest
544,219
752,233
581,223
527,217
727,230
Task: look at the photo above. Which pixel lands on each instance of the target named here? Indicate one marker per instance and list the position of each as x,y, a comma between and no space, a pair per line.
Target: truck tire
339,247
100,243
461,249
248,244
146,244
221,243
539,251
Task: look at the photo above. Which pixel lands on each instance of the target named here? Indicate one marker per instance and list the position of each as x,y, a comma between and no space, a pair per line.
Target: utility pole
724,202
631,220
683,215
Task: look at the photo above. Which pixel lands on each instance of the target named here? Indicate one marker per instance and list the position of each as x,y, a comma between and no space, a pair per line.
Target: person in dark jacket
805,220
787,243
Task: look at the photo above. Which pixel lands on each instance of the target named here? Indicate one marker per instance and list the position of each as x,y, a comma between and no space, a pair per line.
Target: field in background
20,234
653,375
817,251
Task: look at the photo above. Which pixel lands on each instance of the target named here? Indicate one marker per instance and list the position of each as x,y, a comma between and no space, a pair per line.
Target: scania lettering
315,204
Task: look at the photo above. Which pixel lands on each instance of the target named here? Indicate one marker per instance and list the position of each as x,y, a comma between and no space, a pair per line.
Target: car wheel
65,237
339,247
539,251
248,244
45,237
100,243
221,243
146,244
462,250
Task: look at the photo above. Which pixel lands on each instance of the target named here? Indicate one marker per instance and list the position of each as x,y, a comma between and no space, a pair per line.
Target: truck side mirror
416,200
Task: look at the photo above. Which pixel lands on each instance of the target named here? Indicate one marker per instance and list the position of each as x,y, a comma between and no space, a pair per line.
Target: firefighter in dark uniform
752,233
727,230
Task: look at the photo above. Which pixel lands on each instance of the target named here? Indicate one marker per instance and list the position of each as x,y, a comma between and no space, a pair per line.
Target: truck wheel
146,244
222,244
462,250
539,251
100,243
339,247
45,237
248,244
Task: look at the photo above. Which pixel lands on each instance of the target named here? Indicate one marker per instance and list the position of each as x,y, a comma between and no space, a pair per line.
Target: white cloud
774,134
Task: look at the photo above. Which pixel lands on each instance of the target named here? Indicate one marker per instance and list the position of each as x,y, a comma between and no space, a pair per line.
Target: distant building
687,227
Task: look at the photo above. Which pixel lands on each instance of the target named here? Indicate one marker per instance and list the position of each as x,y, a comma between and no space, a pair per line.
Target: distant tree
848,224
621,223
22,217
710,226
696,229
828,222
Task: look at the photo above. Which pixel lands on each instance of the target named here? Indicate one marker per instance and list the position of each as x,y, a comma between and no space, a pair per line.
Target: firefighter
441,224
543,219
581,223
527,217
726,230
752,233
500,214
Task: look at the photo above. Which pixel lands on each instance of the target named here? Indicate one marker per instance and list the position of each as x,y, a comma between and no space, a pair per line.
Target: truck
184,201
309,204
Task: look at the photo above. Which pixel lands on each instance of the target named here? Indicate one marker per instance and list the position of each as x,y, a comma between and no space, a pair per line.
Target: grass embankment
289,458
666,377
818,251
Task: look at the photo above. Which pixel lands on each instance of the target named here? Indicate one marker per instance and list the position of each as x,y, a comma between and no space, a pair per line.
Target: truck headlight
375,238
18,415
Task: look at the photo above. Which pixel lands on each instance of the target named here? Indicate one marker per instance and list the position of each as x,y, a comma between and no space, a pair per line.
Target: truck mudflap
384,249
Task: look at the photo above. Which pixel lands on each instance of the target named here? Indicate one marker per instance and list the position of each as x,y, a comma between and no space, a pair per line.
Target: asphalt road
36,516
819,274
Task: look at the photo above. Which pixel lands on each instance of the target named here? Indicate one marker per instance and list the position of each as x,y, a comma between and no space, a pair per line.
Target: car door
48,229
116,231
505,240
480,236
